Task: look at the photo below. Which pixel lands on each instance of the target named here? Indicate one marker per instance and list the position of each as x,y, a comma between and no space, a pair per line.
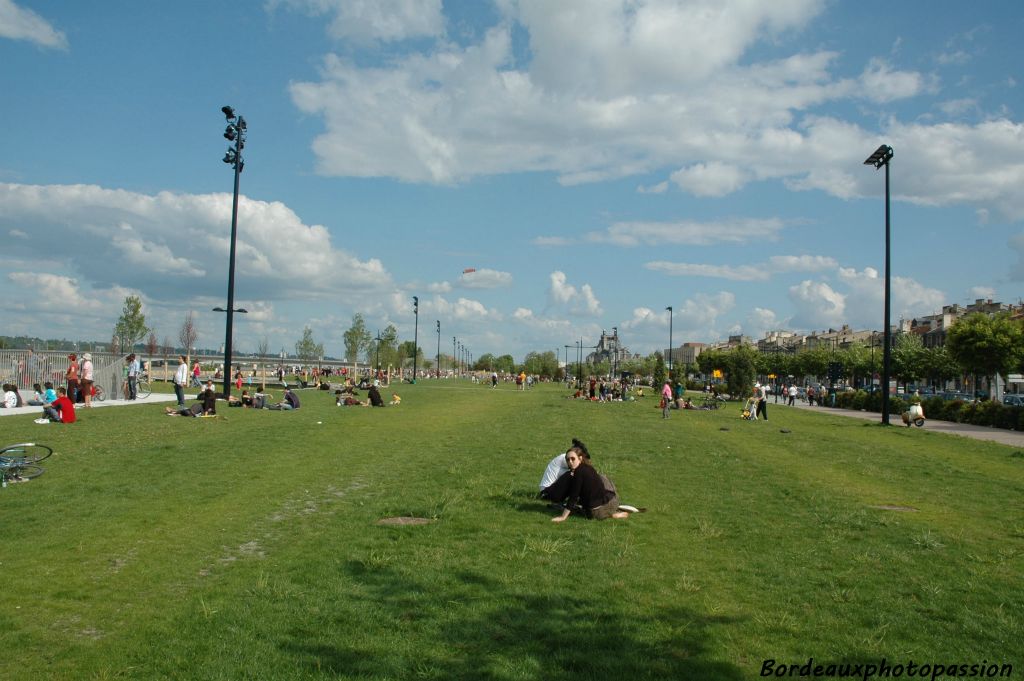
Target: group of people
347,396
573,486
57,407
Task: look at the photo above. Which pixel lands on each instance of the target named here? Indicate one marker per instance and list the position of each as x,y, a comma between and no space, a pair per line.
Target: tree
541,363
986,346
308,349
485,362
505,364
187,334
741,370
152,345
658,371
908,358
357,338
388,347
407,350
131,325
939,365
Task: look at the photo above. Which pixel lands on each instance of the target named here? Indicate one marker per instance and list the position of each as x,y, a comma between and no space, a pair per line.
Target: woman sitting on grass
587,494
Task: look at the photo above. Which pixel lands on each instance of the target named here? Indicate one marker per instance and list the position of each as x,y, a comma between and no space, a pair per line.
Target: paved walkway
1012,438
155,398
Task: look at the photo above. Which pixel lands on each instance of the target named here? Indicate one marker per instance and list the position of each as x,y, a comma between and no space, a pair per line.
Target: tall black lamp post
415,336
455,343
378,339
880,158
669,308
235,132
438,366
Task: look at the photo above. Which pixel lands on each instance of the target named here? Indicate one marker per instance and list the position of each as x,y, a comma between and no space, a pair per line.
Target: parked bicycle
20,462
143,388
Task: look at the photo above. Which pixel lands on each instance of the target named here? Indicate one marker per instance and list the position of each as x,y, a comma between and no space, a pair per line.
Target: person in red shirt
61,409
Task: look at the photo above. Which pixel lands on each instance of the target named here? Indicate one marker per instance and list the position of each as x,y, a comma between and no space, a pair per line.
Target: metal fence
24,368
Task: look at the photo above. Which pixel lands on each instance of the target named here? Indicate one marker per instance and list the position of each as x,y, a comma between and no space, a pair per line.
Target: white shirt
181,376
10,399
792,391
554,471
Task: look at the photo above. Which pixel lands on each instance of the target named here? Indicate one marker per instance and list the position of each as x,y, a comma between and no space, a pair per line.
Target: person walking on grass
666,399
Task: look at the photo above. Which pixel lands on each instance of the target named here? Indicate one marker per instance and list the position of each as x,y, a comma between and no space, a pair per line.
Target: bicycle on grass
20,462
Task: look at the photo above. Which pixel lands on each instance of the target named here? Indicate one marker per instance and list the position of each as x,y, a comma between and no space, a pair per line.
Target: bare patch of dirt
891,507
403,520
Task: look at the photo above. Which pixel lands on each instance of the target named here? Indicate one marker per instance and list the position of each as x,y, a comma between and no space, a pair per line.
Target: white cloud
985,292
1016,244
18,23
860,303
551,241
758,272
384,20
689,233
880,83
817,305
165,244
760,321
439,287
659,188
696,318
565,296
18,234
615,89
54,292
528,318
485,278
710,179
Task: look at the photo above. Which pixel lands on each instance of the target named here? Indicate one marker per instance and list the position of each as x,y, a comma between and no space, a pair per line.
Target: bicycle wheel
26,452
18,472
98,393
143,389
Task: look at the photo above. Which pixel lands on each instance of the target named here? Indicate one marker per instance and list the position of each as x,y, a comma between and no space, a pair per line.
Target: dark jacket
587,488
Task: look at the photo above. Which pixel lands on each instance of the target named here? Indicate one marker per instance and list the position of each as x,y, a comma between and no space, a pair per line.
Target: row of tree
978,345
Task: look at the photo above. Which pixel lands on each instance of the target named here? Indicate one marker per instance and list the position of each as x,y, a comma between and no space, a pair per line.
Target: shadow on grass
472,627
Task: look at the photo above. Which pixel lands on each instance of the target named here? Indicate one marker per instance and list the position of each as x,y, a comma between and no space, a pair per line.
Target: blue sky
594,161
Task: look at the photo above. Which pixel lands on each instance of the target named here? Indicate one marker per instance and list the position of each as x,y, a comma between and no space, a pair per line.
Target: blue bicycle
20,463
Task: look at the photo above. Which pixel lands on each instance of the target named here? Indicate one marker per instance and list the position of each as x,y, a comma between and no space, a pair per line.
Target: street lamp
378,339
454,351
235,132
669,308
882,157
416,335
438,366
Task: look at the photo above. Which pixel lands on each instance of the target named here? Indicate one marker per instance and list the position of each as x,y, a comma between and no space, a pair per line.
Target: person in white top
86,378
180,379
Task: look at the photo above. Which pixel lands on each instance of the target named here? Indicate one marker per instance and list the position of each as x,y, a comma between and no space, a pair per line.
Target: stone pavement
1012,438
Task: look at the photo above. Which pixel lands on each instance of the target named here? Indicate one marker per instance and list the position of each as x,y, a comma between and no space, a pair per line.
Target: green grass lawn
246,546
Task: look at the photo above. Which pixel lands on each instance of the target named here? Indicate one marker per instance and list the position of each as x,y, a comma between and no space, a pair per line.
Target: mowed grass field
247,546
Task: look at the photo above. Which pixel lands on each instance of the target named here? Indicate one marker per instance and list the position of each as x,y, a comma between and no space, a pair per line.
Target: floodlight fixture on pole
235,132
882,157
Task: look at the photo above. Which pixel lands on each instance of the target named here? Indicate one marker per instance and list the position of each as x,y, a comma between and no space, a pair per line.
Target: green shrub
859,401
967,412
1006,417
844,400
935,408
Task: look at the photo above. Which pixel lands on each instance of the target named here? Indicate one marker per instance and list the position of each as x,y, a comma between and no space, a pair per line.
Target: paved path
155,398
1013,438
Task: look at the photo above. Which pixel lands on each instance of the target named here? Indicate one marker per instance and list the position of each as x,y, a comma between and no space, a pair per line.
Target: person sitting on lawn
587,494
207,406
374,395
557,478
290,401
244,401
10,396
61,410
37,396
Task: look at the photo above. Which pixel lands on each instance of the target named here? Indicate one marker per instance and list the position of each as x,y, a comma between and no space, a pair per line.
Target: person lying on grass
587,494
207,406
